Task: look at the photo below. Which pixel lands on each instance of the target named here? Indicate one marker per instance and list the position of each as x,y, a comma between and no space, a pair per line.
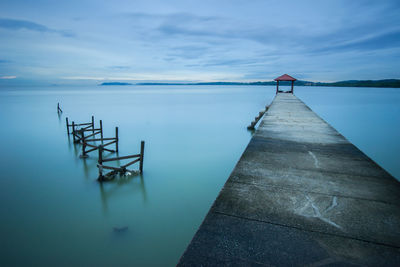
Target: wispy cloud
287,37
16,24
119,67
7,77
188,51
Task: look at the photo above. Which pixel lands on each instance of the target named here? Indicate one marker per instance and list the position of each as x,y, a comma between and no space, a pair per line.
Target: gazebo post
277,86
292,87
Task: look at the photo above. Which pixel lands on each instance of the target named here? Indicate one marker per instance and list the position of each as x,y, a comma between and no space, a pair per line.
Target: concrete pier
301,194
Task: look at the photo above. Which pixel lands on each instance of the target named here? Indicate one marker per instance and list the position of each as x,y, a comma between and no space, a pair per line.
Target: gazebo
284,77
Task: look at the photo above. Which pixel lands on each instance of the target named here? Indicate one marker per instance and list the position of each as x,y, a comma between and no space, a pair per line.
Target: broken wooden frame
85,141
77,127
122,169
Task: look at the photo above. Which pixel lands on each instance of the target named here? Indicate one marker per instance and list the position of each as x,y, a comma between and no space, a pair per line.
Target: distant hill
115,83
391,83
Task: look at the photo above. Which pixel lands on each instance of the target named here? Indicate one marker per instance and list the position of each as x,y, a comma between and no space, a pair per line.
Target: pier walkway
301,194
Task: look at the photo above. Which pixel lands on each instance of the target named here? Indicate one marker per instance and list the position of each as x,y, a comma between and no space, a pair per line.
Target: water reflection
120,185
90,164
114,187
59,114
87,168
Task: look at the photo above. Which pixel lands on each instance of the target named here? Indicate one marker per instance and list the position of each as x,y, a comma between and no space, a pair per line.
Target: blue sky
236,40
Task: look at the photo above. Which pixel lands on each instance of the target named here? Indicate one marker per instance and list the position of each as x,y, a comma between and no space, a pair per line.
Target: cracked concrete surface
301,194
316,162
317,213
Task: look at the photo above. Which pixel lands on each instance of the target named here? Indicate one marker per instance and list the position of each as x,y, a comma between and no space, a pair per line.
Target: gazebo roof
285,77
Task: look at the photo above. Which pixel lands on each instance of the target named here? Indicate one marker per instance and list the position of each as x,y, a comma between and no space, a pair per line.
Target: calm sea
54,212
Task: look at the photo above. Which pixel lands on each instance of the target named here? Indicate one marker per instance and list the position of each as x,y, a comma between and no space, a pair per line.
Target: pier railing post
141,156
116,139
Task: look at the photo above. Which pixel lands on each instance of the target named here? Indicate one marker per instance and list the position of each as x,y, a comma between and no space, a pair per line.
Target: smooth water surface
54,212
368,117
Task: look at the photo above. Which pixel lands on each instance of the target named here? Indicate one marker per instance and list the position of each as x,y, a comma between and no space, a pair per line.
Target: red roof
285,77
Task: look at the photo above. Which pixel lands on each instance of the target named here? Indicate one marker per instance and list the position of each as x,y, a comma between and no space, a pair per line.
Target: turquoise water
54,212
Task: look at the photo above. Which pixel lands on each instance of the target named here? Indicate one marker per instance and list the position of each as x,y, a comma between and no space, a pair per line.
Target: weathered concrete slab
231,241
355,218
301,194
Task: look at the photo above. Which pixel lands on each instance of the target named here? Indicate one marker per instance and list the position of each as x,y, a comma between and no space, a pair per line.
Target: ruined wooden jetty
122,169
92,142
301,194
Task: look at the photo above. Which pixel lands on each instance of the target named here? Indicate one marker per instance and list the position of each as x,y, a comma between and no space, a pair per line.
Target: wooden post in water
93,124
58,108
84,155
141,156
100,163
101,131
66,120
73,131
116,139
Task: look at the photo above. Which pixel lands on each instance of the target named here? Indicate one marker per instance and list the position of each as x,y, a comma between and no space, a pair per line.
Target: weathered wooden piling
116,139
141,156
93,124
58,108
300,195
101,129
83,140
66,120
100,163
73,131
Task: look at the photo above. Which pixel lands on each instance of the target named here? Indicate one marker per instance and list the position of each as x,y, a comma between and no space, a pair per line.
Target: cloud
376,41
187,52
119,67
284,37
7,77
15,24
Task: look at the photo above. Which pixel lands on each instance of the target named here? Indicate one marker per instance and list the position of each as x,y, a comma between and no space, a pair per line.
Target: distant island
388,83
115,83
